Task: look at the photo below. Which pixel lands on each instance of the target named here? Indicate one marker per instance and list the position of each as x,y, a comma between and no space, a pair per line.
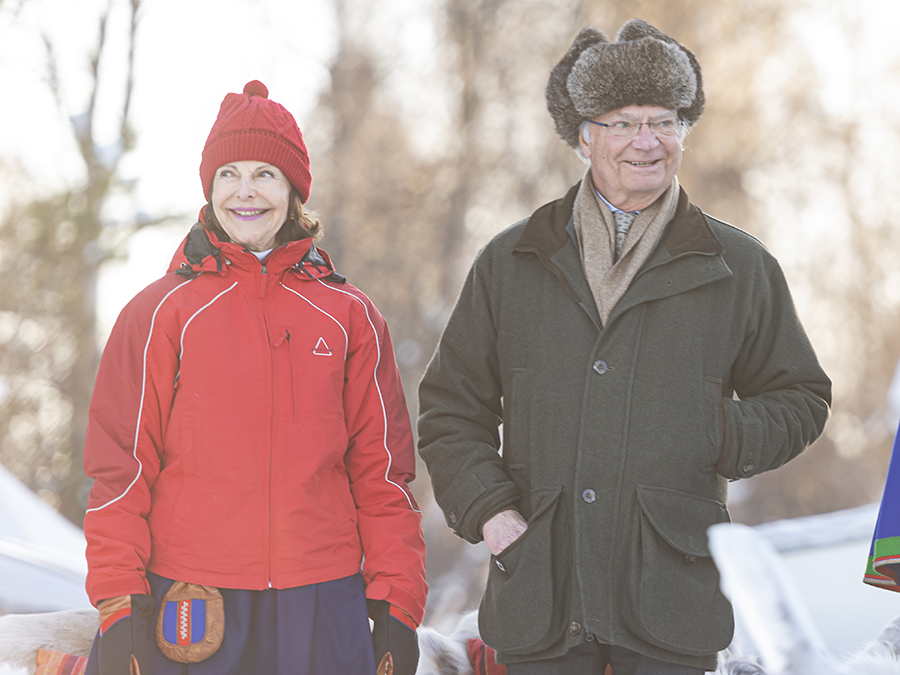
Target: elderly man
639,355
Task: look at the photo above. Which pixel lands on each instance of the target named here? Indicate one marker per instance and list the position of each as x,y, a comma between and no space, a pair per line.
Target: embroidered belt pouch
191,622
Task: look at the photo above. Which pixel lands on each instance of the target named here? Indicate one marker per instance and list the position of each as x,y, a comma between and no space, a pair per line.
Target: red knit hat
251,127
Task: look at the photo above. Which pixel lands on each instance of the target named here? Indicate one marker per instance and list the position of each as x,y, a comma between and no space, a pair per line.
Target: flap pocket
681,518
525,602
674,599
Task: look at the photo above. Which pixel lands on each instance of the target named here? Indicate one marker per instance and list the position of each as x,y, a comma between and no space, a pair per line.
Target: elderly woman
250,444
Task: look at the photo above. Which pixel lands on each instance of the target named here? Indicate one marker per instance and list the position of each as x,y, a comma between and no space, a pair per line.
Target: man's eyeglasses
666,127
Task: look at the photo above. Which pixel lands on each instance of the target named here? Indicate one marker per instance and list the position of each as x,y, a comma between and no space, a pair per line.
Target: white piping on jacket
378,389
194,316
137,428
315,306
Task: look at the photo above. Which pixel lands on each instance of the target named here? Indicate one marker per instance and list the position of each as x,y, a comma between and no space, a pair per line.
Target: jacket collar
202,251
545,233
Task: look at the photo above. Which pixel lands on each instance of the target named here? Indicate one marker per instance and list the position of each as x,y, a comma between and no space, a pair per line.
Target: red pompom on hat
251,127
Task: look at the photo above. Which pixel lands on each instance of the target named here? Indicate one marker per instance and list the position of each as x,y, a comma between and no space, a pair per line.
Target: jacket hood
201,251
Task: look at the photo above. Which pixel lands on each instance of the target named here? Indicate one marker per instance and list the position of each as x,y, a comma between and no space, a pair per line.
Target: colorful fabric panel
883,569
50,662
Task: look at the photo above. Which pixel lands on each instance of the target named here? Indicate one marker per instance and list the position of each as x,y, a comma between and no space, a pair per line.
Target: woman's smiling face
250,200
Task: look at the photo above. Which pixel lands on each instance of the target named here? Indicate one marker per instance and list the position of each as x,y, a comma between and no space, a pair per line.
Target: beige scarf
595,228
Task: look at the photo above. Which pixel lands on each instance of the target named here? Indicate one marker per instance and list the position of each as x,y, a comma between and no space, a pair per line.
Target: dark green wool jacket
618,441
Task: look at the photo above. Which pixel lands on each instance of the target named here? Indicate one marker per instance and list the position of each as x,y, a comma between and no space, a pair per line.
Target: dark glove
126,627
396,645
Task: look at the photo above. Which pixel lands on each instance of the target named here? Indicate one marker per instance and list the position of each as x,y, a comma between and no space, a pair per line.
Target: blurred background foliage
798,146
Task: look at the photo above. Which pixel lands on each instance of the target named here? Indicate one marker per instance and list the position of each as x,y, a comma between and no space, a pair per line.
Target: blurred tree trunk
830,199
52,250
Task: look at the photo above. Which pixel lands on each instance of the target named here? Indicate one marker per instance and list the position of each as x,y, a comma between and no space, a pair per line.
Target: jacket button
600,367
574,628
454,516
690,560
589,496
748,467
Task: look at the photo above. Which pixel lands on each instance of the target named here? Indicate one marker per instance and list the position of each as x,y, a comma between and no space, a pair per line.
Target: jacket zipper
262,294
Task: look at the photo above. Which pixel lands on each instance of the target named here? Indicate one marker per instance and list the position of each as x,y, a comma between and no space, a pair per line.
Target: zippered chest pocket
317,359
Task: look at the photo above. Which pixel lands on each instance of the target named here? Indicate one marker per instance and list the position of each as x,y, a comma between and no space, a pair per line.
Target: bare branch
87,141
125,131
52,70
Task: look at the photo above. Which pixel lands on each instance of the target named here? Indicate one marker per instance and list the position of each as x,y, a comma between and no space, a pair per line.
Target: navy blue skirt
309,630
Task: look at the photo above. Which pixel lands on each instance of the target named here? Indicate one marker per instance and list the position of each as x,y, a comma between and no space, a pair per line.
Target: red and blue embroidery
184,622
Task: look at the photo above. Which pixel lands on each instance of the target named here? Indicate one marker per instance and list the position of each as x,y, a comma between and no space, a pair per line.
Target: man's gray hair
643,67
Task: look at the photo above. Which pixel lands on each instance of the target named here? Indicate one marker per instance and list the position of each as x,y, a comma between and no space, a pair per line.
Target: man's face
632,172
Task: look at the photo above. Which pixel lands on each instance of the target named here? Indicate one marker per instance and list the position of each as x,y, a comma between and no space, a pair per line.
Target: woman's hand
126,624
502,529
395,642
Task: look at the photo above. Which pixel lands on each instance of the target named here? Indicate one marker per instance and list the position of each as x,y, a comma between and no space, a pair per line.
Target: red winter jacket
248,430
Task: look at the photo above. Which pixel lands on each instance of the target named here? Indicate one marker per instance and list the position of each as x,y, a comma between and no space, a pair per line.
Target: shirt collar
611,207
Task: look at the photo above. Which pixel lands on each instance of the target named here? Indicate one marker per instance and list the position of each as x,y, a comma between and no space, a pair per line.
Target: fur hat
643,67
250,126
